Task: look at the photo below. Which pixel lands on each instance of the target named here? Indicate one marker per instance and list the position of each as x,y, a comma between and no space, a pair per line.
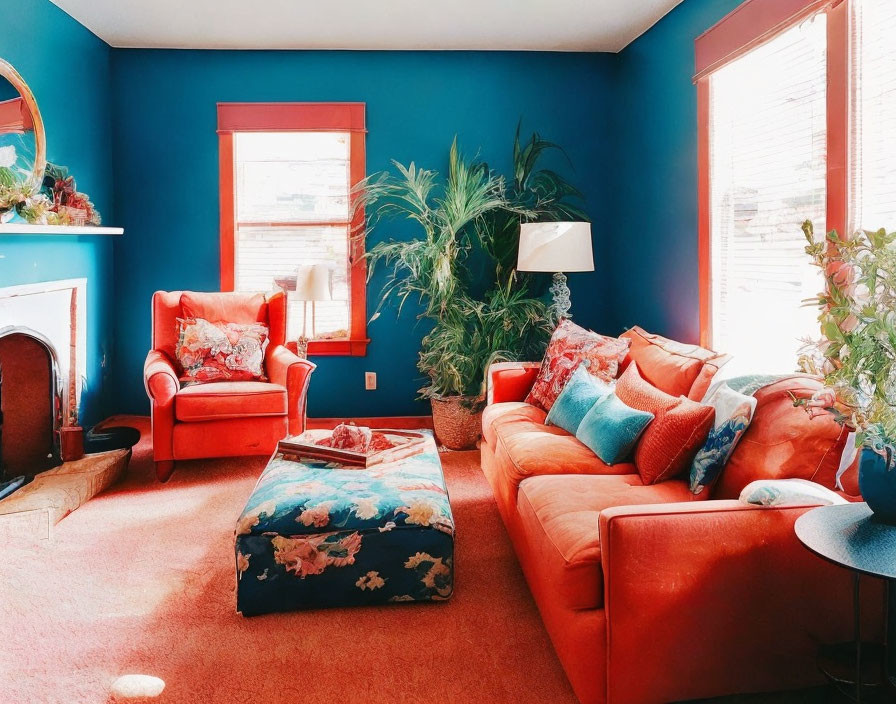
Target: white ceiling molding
499,25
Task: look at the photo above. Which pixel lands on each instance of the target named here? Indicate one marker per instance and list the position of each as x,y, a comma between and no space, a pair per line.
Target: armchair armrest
160,377
510,381
718,596
288,369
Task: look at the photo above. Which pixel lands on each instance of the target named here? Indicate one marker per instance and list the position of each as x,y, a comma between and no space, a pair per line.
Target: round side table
848,535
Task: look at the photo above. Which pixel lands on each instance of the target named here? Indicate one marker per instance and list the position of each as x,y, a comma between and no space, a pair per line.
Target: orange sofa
222,419
651,594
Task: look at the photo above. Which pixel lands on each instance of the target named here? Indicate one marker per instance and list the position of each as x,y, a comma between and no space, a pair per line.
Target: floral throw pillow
734,411
221,351
571,346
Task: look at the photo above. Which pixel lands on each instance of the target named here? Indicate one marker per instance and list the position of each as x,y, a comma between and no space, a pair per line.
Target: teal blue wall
68,68
654,245
166,158
628,122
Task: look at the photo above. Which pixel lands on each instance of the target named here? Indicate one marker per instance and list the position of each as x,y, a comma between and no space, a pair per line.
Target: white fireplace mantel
25,229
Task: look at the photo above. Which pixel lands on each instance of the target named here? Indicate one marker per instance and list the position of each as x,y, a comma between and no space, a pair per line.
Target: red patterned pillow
569,347
221,351
679,428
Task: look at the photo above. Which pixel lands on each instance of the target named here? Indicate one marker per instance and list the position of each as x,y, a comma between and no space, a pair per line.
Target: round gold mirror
23,150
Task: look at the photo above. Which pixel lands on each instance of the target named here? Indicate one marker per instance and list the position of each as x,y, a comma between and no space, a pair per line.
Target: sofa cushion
612,428
673,367
679,429
526,447
509,411
578,397
788,492
785,442
734,411
216,352
558,517
225,307
571,346
230,399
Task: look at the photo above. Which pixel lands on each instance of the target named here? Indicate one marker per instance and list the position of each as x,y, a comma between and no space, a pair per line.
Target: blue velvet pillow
581,392
611,428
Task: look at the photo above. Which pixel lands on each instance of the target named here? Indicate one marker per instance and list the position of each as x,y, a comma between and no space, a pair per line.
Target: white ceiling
528,25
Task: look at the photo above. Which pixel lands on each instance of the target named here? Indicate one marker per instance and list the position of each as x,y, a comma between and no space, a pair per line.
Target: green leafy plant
856,355
538,195
428,269
473,334
472,215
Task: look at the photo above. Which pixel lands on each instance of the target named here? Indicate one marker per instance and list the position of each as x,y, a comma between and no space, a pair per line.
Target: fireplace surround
30,403
42,365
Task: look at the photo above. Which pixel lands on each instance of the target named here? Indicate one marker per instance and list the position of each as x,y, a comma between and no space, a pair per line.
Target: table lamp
556,247
312,284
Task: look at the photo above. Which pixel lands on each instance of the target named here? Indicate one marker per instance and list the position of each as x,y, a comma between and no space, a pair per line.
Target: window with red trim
873,124
794,99
287,172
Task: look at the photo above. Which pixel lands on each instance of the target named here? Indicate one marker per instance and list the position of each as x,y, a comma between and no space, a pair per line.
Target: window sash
752,24
873,123
260,252
325,117
763,184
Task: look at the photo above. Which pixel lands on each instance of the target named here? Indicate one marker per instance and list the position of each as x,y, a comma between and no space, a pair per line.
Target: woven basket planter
457,421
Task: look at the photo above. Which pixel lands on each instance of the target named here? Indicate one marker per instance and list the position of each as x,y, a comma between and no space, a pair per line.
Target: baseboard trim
398,422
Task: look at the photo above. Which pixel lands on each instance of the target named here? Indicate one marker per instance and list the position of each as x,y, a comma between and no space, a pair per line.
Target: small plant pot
457,421
877,482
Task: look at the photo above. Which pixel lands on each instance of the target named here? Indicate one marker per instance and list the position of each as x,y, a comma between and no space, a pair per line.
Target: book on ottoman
316,533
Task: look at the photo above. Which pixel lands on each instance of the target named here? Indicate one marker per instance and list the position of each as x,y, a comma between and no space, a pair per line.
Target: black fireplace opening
30,405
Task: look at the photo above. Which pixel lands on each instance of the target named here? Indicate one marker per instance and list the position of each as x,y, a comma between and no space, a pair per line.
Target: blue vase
877,482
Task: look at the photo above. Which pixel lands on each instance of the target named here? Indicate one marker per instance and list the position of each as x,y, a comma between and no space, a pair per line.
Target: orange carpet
140,581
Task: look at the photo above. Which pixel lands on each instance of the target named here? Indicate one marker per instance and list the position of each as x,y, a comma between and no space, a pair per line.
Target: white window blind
874,119
292,208
767,175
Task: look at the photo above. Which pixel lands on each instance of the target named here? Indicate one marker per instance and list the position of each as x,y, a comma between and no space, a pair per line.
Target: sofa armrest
160,377
716,596
510,381
288,369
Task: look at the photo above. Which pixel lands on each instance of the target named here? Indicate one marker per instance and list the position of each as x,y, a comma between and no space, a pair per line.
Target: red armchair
222,419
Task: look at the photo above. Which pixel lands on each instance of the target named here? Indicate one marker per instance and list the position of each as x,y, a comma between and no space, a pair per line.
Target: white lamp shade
555,247
313,283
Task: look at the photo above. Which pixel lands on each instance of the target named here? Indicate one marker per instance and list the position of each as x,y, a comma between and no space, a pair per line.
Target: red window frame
753,23
298,117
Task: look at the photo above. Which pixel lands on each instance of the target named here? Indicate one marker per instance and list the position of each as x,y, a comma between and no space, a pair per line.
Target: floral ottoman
316,534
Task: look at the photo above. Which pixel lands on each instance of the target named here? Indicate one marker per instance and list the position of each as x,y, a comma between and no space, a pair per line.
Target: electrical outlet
370,381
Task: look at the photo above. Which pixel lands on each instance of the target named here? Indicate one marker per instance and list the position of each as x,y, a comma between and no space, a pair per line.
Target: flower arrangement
58,202
856,355
15,189
70,206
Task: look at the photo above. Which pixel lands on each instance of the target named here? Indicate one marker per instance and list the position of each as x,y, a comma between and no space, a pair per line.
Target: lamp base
562,303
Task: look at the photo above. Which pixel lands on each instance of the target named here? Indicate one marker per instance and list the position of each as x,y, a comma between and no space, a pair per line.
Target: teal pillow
581,392
611,428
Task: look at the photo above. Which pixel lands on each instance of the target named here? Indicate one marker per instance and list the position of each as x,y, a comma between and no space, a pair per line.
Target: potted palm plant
538,195
469,217
856,355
